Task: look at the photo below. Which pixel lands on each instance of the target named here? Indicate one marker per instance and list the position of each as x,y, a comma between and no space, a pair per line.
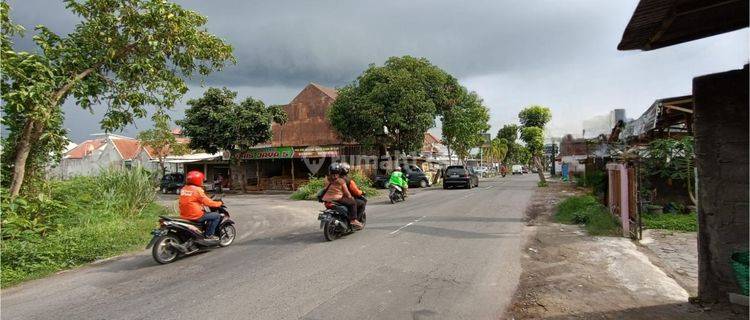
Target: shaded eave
661,23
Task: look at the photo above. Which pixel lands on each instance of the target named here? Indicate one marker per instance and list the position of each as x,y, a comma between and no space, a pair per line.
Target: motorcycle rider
397,179
354,189
193,199
337,191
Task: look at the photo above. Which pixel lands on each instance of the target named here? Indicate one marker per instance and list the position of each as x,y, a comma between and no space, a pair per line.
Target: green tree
216,122
672,159
124,55
161,140
404,95
533,119
497,150
464,124
535,116
508,134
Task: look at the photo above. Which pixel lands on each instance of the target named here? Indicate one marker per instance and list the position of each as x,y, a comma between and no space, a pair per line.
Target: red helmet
195,178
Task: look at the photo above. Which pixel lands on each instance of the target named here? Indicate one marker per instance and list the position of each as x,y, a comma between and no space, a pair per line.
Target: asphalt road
442,254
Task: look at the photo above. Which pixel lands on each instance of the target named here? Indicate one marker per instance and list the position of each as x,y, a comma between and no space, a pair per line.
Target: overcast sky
560,54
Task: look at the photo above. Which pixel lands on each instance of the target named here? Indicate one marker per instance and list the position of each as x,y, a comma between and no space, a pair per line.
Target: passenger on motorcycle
354,189
397,179
337,191
192,201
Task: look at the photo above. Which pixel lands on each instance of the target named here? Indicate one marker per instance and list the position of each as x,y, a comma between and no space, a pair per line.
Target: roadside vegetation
309,190
671,221
586,210
69,223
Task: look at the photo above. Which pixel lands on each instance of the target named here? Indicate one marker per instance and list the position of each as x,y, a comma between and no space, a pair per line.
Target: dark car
460,176
415,175
172,182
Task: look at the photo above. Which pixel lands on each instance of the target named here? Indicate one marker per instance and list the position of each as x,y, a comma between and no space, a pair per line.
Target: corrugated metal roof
661,23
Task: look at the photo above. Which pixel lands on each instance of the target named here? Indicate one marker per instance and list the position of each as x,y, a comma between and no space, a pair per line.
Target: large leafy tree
216,122
464,124
533,119
123,55
162,141
535,116
405,95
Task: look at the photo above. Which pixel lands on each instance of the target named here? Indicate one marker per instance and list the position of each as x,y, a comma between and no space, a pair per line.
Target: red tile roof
84,148
429,142
128,148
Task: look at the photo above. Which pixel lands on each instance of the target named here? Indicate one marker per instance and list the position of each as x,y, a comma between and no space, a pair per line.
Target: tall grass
588,211
76,221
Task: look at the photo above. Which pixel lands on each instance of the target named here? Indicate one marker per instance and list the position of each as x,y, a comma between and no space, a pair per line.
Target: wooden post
292,159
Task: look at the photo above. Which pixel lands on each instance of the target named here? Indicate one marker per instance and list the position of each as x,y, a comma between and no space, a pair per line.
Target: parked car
415,175
172,182
481,171
460,176
525,169
517,169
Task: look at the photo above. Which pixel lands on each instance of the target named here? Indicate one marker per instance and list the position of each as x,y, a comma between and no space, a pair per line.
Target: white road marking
408,224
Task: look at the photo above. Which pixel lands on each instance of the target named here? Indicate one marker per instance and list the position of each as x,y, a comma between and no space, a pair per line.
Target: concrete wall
721,136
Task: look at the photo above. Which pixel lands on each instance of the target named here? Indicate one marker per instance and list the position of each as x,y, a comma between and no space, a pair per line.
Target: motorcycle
396,194
177,237
334,221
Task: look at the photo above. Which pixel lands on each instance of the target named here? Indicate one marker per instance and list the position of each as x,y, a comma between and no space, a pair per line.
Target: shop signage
316,152
267,153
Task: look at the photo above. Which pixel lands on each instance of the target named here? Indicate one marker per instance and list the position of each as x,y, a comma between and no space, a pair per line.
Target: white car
517,169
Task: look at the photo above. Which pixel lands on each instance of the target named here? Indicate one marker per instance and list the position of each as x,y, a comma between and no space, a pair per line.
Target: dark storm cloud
561,54
294,42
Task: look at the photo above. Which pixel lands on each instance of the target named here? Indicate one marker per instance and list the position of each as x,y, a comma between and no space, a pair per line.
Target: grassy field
589,212
76,221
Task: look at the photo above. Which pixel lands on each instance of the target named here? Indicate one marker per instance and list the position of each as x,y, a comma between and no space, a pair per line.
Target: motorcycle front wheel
162,251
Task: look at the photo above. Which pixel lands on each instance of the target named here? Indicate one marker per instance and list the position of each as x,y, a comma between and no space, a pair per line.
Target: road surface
442,254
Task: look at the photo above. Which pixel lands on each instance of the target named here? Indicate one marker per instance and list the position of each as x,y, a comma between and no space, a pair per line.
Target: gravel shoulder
570,275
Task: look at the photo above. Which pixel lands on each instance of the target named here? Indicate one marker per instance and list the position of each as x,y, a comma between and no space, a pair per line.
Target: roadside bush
74,222
588,211
309,190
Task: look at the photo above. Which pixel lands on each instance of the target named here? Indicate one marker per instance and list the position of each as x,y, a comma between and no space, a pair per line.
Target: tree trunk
30,134
450,156
539,170
162,166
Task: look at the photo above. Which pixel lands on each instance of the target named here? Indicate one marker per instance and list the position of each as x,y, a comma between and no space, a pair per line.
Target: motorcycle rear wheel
162,251
227,233
329,231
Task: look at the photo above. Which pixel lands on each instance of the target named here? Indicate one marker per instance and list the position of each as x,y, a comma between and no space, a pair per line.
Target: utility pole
552,157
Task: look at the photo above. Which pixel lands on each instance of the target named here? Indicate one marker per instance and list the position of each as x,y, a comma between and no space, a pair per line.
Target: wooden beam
678,108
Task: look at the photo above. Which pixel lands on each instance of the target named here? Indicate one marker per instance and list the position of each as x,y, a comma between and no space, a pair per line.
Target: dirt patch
570,275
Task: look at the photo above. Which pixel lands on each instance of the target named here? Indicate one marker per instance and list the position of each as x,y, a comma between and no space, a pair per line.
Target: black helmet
345,167
334,168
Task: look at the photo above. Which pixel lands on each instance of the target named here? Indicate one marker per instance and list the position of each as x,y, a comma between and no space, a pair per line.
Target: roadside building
104,151
720,126
305,145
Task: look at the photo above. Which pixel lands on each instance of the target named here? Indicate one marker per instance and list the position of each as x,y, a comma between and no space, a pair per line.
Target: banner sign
316,152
